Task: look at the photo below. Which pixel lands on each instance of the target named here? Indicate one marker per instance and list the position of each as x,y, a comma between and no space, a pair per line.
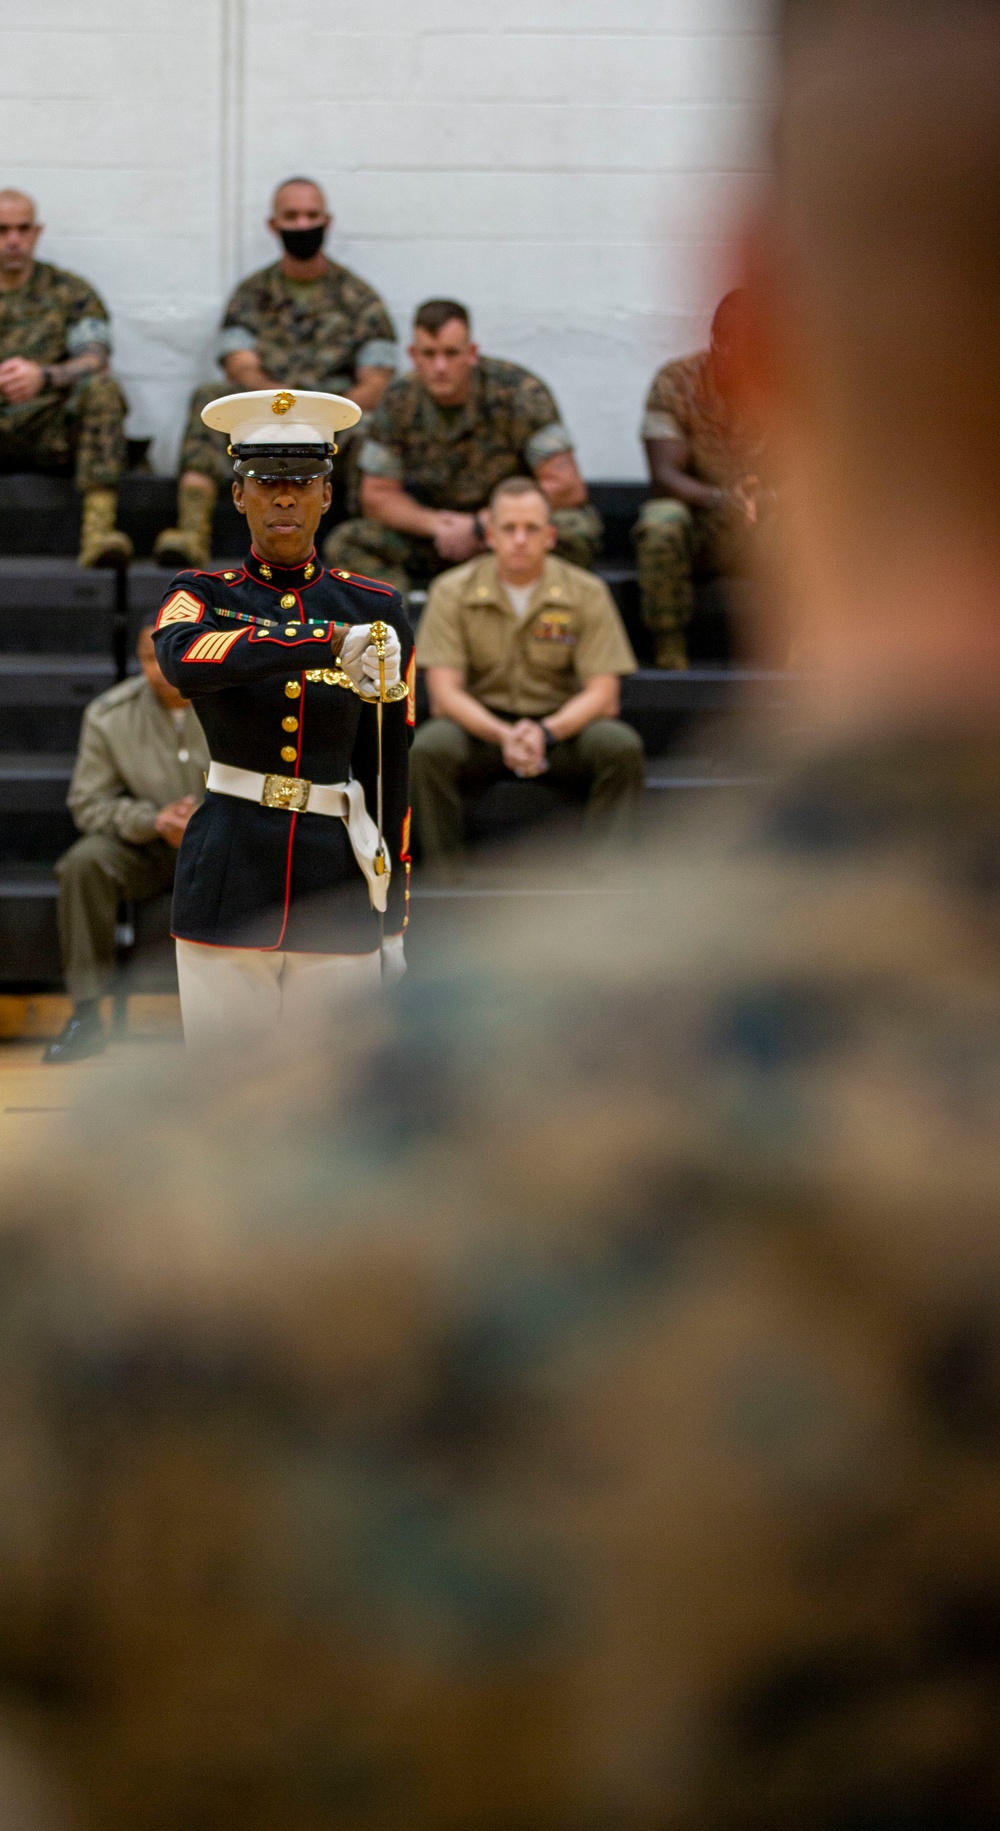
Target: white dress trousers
243,992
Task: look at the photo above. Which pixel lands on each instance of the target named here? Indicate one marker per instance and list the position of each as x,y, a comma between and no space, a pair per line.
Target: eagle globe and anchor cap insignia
276,417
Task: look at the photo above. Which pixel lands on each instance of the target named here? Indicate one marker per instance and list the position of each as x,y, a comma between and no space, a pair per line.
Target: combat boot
190,543
670,649
101,543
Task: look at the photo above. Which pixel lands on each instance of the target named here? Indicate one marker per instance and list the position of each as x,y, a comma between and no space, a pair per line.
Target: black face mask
302,244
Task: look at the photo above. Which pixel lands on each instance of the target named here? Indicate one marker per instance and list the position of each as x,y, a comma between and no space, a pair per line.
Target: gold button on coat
292,629
288,601
289,724
292,689
288,753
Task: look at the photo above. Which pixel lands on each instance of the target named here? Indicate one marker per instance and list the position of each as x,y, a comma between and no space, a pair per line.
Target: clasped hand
455,535
20,380
171,821
524,749
359,659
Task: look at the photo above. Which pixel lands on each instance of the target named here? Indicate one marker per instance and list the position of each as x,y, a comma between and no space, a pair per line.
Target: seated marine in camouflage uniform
442,439
61,413
703,458
305,322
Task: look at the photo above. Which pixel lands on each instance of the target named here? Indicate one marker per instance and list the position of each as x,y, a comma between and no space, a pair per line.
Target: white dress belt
296,795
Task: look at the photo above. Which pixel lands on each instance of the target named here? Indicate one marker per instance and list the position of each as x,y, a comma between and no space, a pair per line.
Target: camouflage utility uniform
453,458
315,334
567,1397
675,543
80,431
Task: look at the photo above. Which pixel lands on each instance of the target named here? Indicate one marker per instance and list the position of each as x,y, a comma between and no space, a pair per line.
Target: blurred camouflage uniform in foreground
576,1404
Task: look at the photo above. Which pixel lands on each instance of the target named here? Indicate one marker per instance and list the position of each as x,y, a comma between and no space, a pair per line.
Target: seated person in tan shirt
524,654
139,775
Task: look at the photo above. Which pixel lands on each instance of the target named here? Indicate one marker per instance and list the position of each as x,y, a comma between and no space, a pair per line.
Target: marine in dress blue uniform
277,659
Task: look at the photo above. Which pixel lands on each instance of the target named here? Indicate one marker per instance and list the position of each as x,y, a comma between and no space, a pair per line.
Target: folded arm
200,650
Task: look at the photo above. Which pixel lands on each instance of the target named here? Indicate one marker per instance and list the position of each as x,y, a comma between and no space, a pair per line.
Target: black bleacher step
51,606
705,689
42,514
34,781
42,698
661,705
53,680
29,939
672,774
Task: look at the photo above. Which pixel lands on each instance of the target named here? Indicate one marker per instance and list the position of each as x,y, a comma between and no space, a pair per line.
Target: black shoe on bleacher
81,1037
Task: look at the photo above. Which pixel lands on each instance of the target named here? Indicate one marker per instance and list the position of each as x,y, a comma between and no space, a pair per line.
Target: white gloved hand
360,661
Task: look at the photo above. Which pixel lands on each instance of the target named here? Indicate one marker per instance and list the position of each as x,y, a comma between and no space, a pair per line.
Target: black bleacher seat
57,629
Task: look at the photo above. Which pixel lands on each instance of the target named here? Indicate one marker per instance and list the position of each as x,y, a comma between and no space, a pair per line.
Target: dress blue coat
249,647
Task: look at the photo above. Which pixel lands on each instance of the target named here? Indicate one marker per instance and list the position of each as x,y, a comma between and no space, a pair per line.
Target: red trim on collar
289,571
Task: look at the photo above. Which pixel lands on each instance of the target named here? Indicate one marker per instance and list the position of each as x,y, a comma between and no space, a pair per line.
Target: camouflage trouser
403,560
675,544
82,433
201,449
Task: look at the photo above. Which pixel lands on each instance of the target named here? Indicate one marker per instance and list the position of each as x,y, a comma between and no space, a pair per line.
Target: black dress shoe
81,1036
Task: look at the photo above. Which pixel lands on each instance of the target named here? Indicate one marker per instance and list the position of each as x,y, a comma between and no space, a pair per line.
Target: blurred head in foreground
876,276
572,1401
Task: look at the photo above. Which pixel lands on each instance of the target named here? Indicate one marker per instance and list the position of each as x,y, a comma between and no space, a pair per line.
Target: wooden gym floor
35,1097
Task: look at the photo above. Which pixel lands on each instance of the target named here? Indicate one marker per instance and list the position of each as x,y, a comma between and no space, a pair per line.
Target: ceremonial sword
380,636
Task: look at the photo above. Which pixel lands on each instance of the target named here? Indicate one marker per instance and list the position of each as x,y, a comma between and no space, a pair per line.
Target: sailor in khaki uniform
307,788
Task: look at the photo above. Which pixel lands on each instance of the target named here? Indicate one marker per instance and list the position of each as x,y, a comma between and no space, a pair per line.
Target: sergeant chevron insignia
181,608
214,645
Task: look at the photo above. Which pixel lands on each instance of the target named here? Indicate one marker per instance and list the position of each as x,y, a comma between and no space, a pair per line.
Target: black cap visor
283,463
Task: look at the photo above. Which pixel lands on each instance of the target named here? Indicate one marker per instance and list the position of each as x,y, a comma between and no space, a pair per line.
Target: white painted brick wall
567,167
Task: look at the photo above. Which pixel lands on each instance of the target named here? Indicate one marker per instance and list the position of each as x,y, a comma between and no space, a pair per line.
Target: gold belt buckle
290,792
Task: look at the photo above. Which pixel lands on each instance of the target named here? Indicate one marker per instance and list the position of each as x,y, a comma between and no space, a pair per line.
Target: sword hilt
380,636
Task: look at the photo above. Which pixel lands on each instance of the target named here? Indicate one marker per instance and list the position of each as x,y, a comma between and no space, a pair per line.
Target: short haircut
10,194
298,179
434,314
519,486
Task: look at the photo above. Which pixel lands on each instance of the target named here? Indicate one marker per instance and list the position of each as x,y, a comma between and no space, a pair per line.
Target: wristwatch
550,739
